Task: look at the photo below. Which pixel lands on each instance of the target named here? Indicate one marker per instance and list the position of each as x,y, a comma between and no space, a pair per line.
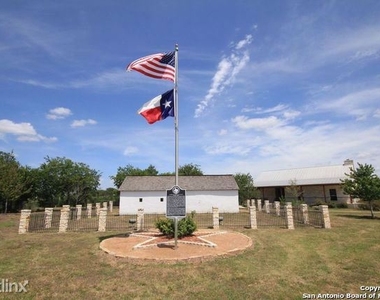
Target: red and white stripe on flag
159,66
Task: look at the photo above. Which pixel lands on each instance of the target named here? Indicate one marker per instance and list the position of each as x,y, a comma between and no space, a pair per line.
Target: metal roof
303,176
194,183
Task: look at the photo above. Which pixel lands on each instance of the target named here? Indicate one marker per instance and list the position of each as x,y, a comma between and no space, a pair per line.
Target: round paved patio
154,247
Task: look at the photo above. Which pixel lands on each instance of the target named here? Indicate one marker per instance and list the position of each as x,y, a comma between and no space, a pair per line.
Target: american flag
160,65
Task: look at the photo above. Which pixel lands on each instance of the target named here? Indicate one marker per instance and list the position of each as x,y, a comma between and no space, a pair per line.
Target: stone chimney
348,162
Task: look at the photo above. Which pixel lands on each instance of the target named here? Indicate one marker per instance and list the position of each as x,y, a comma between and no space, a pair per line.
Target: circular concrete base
153,247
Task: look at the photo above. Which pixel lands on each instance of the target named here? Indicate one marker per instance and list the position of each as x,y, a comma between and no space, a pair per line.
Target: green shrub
365,206
165,226
186,226
318,202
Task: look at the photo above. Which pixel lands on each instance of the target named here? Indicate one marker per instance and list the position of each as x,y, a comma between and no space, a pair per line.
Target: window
333,196
280,192
140,200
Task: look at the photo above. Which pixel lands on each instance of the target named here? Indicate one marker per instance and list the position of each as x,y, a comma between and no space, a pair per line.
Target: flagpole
176,113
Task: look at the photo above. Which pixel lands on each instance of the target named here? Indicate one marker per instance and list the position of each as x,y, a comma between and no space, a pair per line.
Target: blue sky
263,85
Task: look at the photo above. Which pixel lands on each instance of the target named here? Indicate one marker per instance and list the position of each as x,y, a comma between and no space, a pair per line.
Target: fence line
264,215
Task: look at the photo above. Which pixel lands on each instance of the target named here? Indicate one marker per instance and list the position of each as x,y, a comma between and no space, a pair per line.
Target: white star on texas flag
167,103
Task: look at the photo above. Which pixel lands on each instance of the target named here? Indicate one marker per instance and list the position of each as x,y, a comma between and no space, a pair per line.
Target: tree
110,194
14,181
246,187
130,170
295,192
364,184
190,170
62,181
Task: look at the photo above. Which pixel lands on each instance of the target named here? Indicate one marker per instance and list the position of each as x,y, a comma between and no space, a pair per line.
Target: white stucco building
202,193
316,183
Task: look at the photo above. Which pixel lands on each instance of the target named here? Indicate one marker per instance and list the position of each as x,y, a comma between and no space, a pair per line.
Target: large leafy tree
246,187
110,194
364,184
62,181
186,170
14,182
190,170
130,170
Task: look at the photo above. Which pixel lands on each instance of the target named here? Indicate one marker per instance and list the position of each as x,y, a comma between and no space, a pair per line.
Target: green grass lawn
282,264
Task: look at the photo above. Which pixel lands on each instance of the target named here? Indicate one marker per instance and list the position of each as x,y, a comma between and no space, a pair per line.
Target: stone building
314,184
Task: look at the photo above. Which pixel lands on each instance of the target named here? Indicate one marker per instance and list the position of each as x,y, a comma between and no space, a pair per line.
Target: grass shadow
369,217
125,235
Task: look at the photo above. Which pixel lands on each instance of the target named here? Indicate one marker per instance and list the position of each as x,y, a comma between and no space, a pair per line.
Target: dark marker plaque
176,202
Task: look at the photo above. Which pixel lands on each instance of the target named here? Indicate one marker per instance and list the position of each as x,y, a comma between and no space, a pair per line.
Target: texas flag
158,108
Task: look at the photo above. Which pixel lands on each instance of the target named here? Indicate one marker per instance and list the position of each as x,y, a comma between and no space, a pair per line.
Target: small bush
318,202
165,226
186,226
365,206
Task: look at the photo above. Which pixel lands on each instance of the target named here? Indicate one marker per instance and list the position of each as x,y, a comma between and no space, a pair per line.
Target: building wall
311,193
199,201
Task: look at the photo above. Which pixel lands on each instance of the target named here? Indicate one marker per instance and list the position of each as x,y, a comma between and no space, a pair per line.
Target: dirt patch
153,247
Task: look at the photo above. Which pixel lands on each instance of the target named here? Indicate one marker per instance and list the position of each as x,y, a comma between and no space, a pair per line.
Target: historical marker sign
176,202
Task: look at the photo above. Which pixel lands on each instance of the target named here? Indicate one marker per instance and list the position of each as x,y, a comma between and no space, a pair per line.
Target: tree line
59,181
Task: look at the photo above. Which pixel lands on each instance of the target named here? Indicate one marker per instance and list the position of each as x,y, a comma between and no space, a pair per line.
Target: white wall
200,201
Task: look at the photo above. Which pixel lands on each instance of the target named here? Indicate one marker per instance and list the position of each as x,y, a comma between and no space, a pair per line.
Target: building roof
304,176
194,183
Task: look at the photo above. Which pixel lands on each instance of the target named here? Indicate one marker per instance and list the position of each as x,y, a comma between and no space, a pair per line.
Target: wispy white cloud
24,132
82,123
376,114
26,33
228,69
223,132
260,110
360,104
243,122
130,150
58,113
362,41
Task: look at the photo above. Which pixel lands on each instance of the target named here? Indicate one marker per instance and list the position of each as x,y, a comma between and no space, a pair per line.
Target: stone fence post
48,216
111,205
79,211
97,205
24,221
140,219
102,219
105,204
266,206
289,215
277,208
258,204
215,218
253,217
64,219
325,216
89,210
305,213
